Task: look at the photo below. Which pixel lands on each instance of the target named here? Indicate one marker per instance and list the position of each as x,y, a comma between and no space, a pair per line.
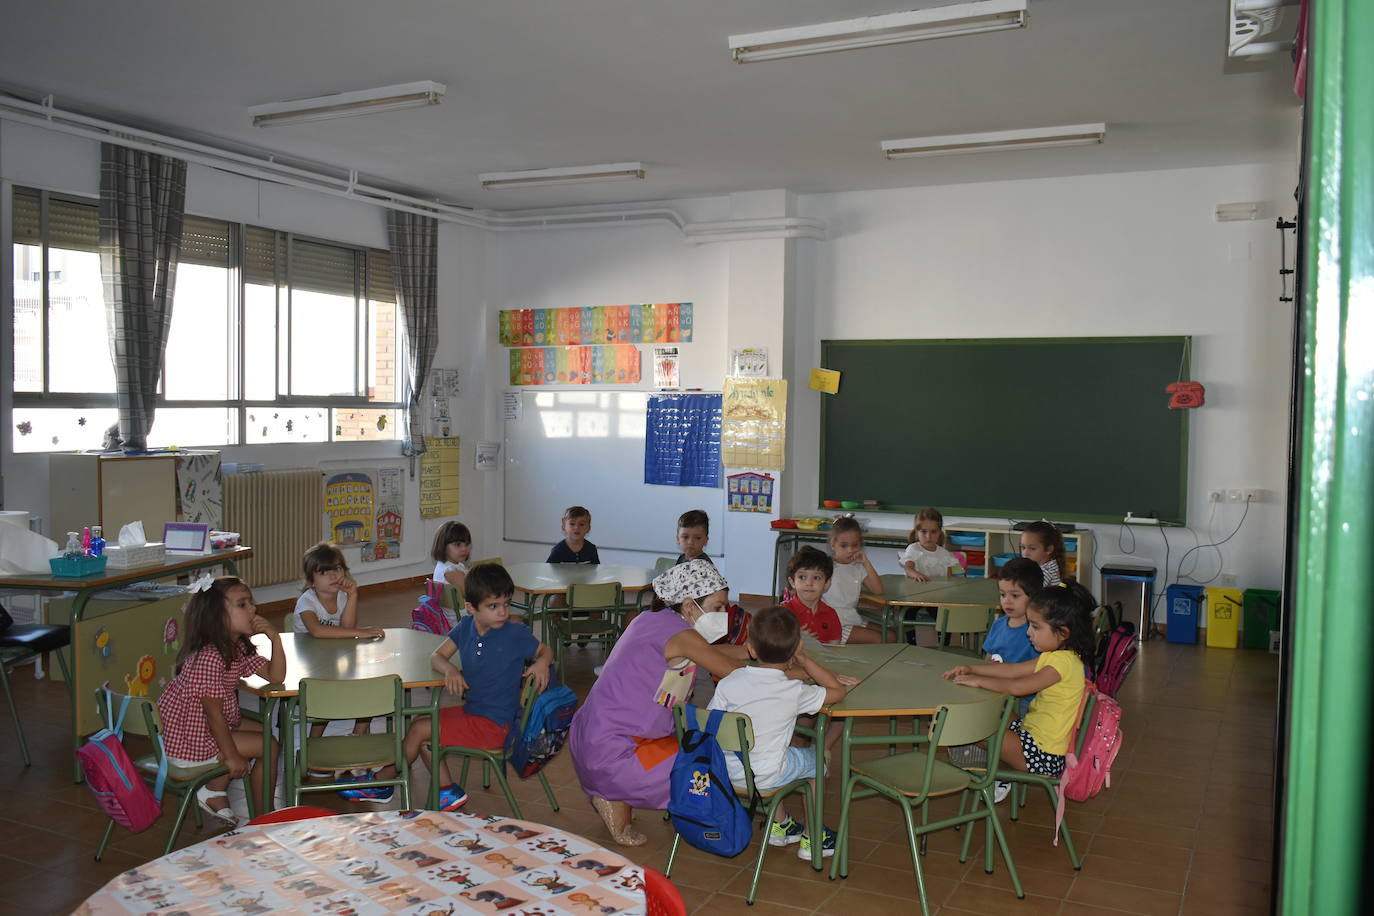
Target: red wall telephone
1186,394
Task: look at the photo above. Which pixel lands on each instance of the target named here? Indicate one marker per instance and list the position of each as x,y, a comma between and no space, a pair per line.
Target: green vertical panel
1328,763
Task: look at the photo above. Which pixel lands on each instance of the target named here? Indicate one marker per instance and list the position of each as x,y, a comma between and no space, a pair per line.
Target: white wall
57,162
584,267
1126,254
1101,255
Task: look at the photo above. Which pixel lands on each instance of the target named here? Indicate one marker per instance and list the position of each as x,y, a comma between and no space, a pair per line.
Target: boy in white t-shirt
773,695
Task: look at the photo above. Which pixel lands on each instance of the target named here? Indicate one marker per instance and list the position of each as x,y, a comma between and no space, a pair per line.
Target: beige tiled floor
1185,828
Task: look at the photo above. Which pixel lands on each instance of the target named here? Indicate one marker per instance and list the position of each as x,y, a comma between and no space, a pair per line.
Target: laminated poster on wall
665,367
749,492
649,322
388,522
443,383
349,501
610,365
749,362
439,473
754,423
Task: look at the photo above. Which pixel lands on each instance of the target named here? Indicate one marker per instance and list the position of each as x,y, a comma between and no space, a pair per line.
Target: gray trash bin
1133,586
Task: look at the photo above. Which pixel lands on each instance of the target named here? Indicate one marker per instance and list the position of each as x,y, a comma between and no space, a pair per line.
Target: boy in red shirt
808,575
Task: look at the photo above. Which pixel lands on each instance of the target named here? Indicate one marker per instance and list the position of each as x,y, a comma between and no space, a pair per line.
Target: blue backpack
545,732
701,801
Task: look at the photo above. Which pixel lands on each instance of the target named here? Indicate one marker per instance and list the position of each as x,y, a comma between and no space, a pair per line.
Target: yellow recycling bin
1223,617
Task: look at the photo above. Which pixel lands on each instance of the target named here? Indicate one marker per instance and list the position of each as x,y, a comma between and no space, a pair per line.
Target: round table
417,862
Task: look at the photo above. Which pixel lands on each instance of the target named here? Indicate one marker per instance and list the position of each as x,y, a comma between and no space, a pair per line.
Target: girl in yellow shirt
1060,623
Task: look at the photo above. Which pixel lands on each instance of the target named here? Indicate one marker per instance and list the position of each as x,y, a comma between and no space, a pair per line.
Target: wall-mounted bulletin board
1068,429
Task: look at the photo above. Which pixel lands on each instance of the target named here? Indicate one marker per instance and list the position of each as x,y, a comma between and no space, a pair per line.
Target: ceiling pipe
266,168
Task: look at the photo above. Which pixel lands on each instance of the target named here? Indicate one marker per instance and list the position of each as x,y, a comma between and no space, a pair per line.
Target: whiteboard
571,448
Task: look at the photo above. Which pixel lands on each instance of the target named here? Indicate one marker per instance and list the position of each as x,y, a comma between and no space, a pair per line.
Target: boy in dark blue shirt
575,548
495,654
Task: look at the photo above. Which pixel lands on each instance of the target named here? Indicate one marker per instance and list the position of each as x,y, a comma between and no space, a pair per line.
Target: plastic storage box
972,539
1261,616
76,567
1223,617
1184,607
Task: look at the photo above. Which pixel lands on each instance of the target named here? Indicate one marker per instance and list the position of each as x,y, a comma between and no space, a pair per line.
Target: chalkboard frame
1168,515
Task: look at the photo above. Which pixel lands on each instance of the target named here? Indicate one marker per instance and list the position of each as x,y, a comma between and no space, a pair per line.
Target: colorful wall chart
614,365
655,322
439,467
750,492
753,423
388,523
349,498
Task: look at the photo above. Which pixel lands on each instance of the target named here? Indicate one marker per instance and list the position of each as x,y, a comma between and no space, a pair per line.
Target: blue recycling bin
1185,606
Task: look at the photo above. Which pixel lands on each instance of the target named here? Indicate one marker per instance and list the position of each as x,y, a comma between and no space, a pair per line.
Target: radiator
278,514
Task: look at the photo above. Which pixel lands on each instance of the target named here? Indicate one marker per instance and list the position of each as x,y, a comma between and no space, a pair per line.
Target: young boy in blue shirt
575,548
495,654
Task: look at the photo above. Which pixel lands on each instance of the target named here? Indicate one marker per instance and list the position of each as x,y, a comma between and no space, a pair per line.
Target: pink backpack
1086,775
114,779
430,616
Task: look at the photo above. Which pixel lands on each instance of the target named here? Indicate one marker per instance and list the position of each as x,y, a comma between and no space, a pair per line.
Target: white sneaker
1000,793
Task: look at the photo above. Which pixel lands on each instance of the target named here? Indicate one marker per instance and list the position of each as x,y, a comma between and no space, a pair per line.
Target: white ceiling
544,83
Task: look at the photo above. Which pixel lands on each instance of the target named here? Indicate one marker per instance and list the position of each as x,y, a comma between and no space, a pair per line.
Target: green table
896,681
541,582
91,661
900,593
402,652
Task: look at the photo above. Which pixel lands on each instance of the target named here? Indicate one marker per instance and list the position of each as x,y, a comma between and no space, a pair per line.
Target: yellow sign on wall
439,478
753,423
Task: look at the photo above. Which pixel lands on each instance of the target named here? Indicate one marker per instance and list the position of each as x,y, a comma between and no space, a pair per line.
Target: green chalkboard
1065,429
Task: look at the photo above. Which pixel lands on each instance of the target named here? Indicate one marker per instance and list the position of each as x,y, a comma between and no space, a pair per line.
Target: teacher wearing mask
622,739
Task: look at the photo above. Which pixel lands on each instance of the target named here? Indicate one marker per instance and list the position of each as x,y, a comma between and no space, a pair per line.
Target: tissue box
223,540
76,567
128,557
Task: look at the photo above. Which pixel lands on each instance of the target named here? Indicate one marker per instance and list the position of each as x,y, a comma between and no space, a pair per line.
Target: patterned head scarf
694,579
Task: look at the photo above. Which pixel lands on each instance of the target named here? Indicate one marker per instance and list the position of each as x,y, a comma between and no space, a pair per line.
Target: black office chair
20,642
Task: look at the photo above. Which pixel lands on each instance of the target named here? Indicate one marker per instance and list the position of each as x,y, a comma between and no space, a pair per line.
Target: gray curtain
142,202
415,265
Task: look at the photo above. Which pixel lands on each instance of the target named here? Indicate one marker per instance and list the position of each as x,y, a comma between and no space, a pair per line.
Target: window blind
71,225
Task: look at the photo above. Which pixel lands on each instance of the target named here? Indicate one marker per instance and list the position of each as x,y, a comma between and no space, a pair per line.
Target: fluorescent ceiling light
888,29
348,104
1030,138
612,171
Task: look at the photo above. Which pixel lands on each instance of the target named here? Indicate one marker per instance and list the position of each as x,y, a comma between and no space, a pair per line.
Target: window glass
40,429
28,318
190,427
78,334
272,423
324,320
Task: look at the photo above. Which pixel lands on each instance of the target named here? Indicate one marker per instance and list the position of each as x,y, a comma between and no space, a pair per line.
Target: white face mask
713,625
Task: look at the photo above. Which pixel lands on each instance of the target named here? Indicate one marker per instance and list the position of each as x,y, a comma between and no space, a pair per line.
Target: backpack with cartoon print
701,801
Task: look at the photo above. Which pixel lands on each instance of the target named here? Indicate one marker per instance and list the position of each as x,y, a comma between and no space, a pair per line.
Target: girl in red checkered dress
201,720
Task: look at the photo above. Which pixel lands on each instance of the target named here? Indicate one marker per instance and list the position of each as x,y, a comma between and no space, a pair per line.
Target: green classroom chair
662,564
960,630
493,759
322,700
1019,782
736,735
141,718
593,613
914,778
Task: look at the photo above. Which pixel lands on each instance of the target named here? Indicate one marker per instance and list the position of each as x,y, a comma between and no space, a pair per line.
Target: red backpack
114,779
1087,774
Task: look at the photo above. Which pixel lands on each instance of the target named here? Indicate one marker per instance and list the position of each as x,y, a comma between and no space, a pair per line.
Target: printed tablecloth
420,863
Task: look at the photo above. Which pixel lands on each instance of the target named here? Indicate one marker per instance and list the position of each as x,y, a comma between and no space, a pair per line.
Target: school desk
906,682
381,862
541,582
118,638
402,652
900,593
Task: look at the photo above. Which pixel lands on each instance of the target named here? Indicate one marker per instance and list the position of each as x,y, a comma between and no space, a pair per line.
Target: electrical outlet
1228,580
1235,496
1252,496
1214,496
